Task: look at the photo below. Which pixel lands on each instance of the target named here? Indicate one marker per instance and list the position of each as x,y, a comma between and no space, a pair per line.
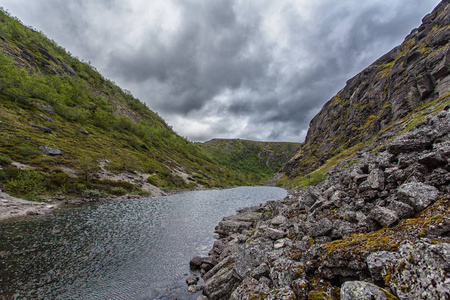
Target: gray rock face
384,216
402,210
306,245
320,227
376,179
274,234
376,262
389,89
251,256
50,151
420,273
360,290
250,289
417,195
43,129
46,107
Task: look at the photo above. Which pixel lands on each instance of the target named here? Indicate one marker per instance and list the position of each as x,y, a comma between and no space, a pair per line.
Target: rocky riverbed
377,228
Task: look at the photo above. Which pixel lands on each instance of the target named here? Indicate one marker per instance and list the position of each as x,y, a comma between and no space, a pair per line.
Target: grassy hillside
65,129
257,161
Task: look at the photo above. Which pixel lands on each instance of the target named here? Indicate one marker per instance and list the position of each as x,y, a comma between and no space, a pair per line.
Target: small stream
132,249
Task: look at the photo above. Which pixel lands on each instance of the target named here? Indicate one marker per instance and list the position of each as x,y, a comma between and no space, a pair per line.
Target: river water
132,249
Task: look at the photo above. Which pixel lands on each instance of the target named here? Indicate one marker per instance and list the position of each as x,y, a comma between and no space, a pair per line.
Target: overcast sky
249,69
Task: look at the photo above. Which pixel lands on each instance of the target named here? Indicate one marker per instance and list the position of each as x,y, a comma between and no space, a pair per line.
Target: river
131,249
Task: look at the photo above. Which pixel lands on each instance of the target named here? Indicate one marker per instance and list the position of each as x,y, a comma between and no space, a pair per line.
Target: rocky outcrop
378,227
394,85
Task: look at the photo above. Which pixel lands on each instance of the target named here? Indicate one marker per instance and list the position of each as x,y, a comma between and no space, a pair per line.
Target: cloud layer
251,69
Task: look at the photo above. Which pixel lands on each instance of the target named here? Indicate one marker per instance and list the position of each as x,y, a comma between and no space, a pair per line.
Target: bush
27,184
152,180
118,191
5,160
93,193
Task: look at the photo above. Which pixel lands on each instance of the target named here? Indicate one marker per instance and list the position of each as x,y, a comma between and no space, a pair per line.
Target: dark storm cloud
228,68
209,53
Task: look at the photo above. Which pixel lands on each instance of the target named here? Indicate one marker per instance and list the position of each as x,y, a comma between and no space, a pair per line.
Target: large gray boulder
421,272
251,256
361,290
376,179
417,194
384,216
50,151
220,281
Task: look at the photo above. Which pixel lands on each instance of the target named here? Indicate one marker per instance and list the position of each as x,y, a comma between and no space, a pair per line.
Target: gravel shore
12,207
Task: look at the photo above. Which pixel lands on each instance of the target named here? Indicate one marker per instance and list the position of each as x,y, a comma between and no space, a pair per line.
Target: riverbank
377,227
12,207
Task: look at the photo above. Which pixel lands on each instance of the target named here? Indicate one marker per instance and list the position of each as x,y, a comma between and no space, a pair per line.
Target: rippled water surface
133,249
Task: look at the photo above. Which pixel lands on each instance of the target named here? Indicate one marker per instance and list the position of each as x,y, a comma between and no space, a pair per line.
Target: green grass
36,74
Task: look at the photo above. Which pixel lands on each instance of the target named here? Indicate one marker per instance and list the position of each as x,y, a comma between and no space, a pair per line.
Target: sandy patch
12,207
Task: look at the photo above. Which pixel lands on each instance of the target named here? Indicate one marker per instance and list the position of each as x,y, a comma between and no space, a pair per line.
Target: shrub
5,160
152,180
27,184
93,193
118,191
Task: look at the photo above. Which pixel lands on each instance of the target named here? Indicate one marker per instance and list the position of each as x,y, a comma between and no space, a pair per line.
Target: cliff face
377,223
394,85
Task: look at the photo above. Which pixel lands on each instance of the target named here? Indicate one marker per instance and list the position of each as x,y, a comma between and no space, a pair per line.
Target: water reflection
134,249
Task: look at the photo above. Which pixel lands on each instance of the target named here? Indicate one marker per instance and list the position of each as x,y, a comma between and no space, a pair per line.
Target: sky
249,69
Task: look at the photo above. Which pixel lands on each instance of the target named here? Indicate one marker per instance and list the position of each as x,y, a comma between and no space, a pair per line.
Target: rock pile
377,228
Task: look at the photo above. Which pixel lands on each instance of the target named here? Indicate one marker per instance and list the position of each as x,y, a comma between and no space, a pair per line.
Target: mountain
67,130
368,215
259,160
404,79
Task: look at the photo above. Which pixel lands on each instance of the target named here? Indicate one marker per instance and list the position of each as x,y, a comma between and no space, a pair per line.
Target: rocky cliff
400,81
377,226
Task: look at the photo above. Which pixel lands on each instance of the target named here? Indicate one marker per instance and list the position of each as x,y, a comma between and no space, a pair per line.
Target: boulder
417,194
274,234
278,220
432,159
376,179
192,280
251,256
377,261
361,290
319,227
384,216
43,129
220,281
260,271
50,151
250,289
198,261
310,196
402,144
421,272
402,210
284,271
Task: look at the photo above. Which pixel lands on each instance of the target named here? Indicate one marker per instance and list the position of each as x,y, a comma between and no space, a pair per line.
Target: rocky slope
394,85
377,226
